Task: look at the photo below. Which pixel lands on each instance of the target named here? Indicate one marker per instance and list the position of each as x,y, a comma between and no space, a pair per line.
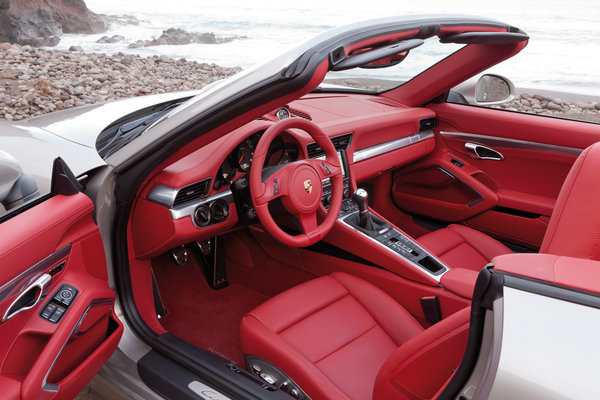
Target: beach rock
112,39
553,106
177,36
75,48
42,22
597,106
5,46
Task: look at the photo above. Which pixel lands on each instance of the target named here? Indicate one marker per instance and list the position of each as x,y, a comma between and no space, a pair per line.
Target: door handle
483,152
29,297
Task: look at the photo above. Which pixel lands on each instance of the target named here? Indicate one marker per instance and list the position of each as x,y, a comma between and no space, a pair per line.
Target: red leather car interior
39,352
422,365
574,229
333,334
462,247
572,272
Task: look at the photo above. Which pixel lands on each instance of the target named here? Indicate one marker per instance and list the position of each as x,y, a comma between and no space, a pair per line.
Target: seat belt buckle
431,309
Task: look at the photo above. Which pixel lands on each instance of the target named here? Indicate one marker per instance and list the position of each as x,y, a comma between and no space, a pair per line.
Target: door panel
437,188
44,355
537,154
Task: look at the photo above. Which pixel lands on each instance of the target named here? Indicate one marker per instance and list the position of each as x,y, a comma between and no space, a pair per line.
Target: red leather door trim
30,344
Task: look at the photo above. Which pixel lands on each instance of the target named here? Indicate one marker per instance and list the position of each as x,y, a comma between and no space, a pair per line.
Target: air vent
341,142
300,114
427,124
192,192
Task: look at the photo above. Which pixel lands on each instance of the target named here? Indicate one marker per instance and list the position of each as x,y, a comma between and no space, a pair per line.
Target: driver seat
339,337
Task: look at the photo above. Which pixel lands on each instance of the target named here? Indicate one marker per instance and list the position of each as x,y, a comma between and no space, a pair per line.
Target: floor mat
202,316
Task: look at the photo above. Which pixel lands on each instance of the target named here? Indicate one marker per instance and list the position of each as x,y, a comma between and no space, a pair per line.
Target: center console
355,213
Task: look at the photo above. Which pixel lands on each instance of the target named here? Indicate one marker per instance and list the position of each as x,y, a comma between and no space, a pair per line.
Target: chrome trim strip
420,268
166,195
163,195
474,147
42,284
53,387
513,143
187,210
19,282
386,147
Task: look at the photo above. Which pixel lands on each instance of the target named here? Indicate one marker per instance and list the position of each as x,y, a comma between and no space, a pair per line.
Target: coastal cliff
42,22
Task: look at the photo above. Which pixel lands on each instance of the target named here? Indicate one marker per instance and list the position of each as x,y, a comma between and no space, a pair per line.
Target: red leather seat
333,335
462,247
339,337
574,228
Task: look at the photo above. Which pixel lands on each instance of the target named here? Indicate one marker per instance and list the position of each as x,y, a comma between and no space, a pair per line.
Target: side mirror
494,89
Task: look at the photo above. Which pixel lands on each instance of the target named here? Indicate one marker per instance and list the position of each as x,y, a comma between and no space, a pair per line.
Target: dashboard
206,193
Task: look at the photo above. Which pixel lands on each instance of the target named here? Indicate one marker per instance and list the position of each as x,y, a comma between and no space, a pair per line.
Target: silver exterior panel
549,350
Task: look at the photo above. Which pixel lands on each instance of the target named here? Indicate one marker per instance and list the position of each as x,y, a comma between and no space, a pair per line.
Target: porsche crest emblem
307,186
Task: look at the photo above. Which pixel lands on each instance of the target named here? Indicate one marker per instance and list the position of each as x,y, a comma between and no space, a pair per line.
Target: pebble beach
36,81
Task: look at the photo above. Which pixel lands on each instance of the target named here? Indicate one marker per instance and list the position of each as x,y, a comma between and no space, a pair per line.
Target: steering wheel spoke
325,169
274,186
310,225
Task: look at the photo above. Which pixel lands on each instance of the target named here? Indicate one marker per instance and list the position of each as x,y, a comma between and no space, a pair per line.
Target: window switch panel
59,303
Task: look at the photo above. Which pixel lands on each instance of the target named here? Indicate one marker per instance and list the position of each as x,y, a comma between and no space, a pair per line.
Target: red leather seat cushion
461,247
331,335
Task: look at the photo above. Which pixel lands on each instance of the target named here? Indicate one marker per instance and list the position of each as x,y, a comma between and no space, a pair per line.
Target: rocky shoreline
35,81
554,107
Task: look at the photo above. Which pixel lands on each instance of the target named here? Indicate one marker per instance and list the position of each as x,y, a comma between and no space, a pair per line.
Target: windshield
383,79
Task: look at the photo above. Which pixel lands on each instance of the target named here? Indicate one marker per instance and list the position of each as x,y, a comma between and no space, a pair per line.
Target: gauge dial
244,155
282,113
227,170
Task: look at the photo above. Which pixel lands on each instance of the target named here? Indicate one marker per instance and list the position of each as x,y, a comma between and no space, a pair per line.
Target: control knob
219,210
202,215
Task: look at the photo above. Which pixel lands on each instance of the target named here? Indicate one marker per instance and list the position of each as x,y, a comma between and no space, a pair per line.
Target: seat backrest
574,228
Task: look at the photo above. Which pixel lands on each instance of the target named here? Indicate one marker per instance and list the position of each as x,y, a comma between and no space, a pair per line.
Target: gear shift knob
361,197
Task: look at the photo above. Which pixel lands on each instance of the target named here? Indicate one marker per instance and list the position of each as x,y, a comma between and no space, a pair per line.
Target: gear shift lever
361,197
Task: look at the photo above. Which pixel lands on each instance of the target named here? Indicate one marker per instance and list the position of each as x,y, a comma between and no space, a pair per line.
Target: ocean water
563,52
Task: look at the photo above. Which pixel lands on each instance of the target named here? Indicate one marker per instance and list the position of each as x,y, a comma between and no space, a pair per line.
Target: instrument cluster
282,150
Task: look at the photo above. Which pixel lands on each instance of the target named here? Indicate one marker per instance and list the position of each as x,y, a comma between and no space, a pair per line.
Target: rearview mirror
492,89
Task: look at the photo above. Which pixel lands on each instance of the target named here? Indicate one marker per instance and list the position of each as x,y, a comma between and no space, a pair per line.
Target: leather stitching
594,252
312,312
347,344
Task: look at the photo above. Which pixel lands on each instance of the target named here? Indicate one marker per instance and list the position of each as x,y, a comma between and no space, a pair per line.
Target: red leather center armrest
460,281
